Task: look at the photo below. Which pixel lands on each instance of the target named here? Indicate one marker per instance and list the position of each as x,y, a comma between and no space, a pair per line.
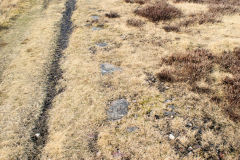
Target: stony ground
96,80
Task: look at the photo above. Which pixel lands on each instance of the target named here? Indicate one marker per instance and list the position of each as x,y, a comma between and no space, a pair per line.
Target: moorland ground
64,63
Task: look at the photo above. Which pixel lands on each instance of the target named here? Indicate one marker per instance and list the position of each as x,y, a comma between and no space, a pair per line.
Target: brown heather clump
159,11
137,1
201,18
112,15
197,65
191,67
171,28
135,22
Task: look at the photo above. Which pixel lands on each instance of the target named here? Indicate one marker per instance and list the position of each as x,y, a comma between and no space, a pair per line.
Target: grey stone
107,68
96,28
95,17
132,129
102,44
170,114
117,109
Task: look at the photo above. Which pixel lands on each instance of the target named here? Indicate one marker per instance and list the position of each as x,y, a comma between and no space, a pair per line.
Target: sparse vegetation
137,1
112,15
159,11
135,22
197,65
171,28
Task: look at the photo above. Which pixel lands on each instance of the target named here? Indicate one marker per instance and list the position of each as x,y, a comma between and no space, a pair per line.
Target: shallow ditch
40,131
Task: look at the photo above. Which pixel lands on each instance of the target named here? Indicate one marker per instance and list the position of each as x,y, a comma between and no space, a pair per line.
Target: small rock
132,129
107,68
169,114
102,44
189,124
95,17
37,135
167,101
171,136
190,148
96,28
117,109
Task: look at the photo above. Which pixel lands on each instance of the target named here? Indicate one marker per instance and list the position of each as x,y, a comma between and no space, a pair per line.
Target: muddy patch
40,131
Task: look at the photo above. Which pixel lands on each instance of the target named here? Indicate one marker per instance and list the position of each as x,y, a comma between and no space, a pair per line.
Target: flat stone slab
97,28
117,109
103,44
107,68
95,17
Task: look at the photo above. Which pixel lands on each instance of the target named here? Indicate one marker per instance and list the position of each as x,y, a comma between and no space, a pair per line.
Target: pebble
117,109
107,68
171,136
37,135
189,124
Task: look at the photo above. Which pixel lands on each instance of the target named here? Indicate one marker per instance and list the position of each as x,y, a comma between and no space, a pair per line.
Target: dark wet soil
40,132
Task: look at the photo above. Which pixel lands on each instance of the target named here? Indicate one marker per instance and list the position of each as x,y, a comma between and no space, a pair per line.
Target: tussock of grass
135,22
171,28
137,1
159,11
112,15
200,19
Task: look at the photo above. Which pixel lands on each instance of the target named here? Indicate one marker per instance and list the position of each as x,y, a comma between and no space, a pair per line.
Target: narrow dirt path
26,58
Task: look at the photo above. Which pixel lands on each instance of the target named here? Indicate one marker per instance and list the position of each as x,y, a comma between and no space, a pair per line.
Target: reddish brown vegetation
112,15
135,22
171,28
159,11
199,19
195,66
137,1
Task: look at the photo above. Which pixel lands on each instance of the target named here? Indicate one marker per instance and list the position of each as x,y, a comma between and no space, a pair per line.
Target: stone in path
107,68
117,109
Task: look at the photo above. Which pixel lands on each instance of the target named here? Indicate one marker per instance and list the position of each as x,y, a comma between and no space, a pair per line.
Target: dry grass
22,87
159,11
170,103
135,22
9,10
